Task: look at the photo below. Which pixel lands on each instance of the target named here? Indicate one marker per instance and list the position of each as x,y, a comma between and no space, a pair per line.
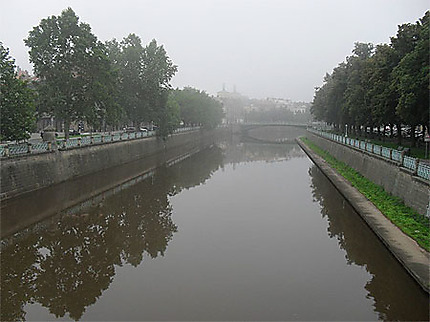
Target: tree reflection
66,266
393,291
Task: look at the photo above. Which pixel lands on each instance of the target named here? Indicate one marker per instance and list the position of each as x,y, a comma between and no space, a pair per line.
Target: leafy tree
383,98
144,81
198,108
17,101
170,119
127,57
387,87
73,68
411,77
329,103
158,70
356,92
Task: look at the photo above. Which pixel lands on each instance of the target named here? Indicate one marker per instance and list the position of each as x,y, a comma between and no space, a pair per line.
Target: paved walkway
414,259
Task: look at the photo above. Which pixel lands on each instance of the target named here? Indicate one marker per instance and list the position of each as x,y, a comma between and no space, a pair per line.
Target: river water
235,232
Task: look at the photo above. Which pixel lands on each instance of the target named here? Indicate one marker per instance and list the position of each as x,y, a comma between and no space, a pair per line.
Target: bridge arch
271,132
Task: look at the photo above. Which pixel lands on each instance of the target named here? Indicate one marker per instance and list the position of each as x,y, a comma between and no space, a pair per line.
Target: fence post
28,147
79,142
91,139
391,154
102,139
6,151
49,146
416,166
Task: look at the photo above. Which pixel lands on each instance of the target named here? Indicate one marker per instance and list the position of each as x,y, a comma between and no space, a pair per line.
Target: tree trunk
399,134
66,129
413,136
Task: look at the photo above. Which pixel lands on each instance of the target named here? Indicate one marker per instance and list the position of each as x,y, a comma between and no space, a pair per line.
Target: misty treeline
107,85
382,88
297,112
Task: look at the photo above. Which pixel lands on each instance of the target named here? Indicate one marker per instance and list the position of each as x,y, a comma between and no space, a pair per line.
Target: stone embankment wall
29,173
398,181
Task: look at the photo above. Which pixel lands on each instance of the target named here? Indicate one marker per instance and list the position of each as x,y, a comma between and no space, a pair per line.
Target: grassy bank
408,220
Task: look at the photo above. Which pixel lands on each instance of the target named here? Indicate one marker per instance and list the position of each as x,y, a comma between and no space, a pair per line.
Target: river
239,231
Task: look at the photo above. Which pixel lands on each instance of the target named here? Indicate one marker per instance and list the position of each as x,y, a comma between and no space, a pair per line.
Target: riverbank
407,251
29,173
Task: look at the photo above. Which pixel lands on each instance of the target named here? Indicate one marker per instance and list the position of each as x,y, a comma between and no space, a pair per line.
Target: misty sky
266,48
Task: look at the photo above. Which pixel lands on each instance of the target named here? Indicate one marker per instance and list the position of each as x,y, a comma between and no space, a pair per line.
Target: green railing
23,149
417,166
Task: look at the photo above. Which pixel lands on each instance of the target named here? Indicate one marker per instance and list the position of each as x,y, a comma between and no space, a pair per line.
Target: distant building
233,104
25,75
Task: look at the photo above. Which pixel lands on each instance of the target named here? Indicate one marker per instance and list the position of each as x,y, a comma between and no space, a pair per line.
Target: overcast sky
266,48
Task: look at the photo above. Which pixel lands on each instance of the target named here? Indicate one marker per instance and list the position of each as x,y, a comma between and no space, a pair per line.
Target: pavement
413,258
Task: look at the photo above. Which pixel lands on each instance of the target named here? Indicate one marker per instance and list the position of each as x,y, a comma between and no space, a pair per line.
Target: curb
410,255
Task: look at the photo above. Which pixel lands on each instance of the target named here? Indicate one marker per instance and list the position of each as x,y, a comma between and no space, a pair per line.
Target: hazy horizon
264,49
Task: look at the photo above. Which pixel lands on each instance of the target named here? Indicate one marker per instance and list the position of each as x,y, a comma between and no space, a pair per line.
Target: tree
382,97
411,76
17,101
387,87
73,68
158,70
198,108
144,81
127,58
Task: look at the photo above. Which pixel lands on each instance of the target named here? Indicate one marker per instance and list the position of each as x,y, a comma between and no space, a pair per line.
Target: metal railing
419,168
22,149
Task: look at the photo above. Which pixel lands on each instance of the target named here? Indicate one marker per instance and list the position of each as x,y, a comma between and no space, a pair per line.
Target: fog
270,48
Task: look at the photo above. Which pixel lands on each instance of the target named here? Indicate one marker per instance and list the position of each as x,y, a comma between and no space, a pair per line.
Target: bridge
284,132
248,126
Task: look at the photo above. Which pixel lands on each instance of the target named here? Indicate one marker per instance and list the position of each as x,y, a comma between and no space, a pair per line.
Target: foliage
144,75
408,220
17,101
198,108
378,87
76,79
158,70
411,77
277,115
169,120
126,56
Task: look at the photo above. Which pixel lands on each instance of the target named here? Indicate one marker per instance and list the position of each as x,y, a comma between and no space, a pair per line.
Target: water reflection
395,295
250,152
67,264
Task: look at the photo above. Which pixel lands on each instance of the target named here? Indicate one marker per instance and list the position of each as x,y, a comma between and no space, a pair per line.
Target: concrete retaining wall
400,182
29,173
407,251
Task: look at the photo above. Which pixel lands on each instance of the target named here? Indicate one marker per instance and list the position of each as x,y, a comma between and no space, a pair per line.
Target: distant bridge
250,126
244,128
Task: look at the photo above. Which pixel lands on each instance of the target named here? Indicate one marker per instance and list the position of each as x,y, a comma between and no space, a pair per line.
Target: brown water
237,232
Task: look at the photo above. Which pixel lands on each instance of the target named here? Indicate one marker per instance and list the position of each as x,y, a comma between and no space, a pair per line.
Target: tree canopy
197,107
17,101
386,85
76,79
112,83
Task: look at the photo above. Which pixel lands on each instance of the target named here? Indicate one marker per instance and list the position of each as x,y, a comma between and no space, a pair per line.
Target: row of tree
17,101
380,87
79,78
